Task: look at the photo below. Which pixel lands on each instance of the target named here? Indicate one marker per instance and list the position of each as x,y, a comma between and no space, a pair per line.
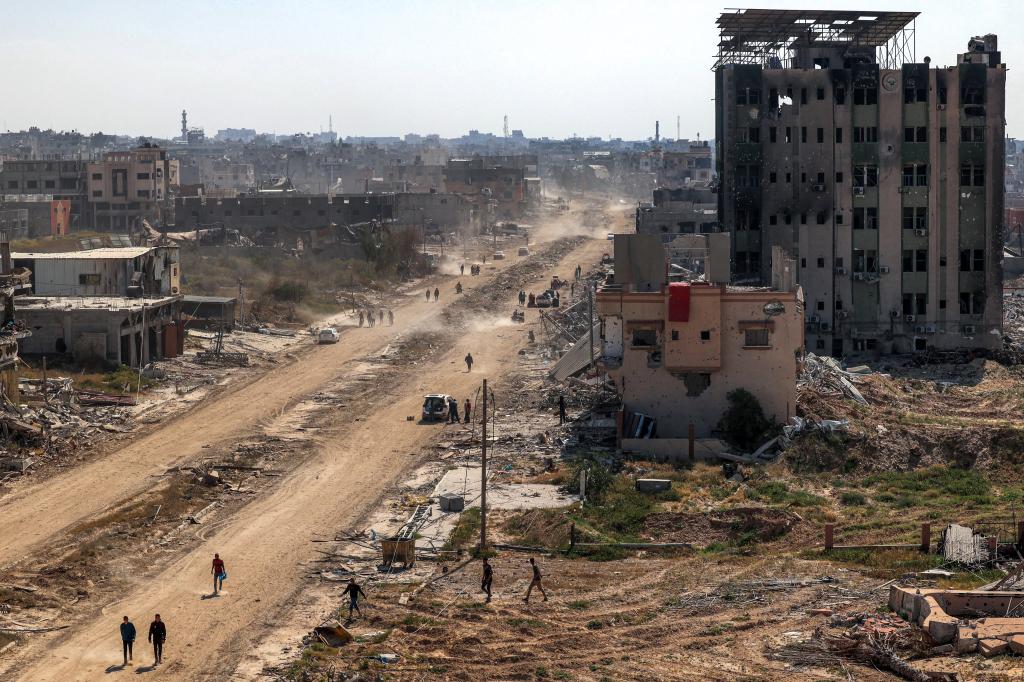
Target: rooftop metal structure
770,37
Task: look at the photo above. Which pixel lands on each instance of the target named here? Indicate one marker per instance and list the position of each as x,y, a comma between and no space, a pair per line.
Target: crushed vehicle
435,407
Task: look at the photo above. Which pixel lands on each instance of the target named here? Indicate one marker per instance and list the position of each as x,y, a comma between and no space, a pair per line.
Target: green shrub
851,499
743,423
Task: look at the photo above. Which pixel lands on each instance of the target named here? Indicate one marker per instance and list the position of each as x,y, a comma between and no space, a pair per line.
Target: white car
328,335
524,251
498,255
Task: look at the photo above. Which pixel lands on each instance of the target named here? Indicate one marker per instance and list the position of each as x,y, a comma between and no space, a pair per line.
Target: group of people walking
371,318
158,629
487,580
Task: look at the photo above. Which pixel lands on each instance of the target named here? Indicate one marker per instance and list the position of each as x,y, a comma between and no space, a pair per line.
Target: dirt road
267,542
39,512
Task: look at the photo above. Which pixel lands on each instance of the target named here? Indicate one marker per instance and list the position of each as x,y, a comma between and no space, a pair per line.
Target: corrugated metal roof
106,253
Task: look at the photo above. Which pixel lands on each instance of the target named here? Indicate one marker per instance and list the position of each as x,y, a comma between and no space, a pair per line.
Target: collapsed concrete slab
944,615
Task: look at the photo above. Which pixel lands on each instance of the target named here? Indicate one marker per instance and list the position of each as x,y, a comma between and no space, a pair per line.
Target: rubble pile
823,375
54,420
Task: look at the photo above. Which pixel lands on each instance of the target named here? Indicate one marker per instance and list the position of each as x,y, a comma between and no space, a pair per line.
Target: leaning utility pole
483,475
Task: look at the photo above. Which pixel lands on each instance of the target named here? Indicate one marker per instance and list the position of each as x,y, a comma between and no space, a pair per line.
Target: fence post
926,537
829,535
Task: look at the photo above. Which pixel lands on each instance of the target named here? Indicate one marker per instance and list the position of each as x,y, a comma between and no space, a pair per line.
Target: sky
557,68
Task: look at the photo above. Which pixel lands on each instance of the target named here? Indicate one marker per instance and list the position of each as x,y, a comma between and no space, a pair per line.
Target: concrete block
992,647
653,485
451,503
1017,644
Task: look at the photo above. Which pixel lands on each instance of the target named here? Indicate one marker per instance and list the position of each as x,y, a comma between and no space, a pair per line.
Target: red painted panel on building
679,302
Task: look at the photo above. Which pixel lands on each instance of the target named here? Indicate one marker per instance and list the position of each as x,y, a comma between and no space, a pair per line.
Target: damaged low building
116,305
677,339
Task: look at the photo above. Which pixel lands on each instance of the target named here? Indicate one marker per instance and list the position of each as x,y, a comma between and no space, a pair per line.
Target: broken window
862,95
972,134
915,218
942,134
705,335
771,134
645,338
839,135
913,94
865,176
972,175
756,338
89,279
789,134
821,93
840,96
865,134
972,302
803,134
972,95
821,135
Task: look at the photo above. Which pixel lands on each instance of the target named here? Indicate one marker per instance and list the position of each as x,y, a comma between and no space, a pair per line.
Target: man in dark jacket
127,639
353,591
158,635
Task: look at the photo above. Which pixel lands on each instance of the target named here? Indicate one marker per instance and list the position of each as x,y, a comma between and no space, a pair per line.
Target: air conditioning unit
840,271
842,314
920,232
909,318
858,277
969,330
824,326
858,191
894,313
929,329
815,319
941,107
919,329
818,188
884,269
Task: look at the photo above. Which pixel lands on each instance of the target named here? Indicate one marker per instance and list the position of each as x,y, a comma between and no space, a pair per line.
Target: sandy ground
265,543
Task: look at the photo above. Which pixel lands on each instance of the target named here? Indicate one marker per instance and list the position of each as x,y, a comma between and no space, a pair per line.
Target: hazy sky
556,67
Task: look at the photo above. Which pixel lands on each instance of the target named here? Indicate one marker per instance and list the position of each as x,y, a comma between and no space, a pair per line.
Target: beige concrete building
675,349
127,187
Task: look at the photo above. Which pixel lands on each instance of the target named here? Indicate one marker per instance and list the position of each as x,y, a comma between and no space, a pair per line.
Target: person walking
360,318
369,318
453,411
535,582
353,591
466,410
572,290
522,297
437,293
158,635
485,583
469,362
561,409
127,639
458,287
381,317
217,569
462,268
391,318
428,295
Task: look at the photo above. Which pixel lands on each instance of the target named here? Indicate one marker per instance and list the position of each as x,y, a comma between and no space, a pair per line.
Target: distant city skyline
596,68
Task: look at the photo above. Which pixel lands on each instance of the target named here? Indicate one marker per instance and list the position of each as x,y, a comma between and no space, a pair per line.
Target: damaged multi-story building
685,210
880,175
677,338
114,305
128,187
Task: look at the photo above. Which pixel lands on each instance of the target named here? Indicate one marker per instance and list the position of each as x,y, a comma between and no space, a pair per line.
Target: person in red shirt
218,573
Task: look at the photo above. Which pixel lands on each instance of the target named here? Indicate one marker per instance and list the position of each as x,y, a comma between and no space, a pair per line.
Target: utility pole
483,475
590,318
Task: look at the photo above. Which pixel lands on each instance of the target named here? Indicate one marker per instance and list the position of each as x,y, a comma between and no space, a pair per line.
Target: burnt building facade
880,175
